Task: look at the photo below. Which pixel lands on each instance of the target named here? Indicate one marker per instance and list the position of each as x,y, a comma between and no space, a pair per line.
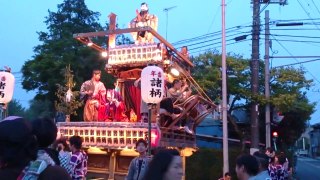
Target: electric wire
308,14
316,6
231,30
295,58
214,18
303,62
215,47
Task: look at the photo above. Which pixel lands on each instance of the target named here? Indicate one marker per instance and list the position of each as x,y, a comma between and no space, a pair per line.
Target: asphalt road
308,169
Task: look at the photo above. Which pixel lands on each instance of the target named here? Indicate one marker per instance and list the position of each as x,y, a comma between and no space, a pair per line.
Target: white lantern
152,84
6,87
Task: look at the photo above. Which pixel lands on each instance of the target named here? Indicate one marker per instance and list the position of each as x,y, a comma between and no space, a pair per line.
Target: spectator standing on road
139,165
165,165
79,159
18,153
45,131
226,176
62,147
270,152
277,171
263,160
247,167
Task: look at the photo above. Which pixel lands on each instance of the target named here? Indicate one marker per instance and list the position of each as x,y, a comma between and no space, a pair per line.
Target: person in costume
115,107
143,19
93,92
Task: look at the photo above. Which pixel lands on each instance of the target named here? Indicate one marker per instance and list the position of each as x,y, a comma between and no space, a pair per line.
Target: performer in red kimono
115,108
93,92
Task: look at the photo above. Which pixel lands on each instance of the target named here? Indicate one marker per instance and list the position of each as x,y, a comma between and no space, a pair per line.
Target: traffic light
275,134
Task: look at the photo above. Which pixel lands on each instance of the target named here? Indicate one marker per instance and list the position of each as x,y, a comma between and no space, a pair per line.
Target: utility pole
255,76
224,92
267,79
255,69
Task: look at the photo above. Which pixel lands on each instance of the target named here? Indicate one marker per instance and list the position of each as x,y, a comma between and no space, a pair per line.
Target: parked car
302,152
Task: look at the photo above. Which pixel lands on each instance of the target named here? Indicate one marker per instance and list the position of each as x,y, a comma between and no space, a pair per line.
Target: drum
190,103
198,111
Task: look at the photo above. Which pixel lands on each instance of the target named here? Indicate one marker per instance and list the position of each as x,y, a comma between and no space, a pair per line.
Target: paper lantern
6,87
152,84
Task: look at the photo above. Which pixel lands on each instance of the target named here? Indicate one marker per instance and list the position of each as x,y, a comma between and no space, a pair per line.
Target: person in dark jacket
18,153
45,131
165,165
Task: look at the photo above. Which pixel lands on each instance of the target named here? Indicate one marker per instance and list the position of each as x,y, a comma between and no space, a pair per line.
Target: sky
21,20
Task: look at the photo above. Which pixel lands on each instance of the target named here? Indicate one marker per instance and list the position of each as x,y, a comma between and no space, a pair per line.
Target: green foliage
288,91
39,109
207,164
15,109
207,72
58,48
294,121
68,108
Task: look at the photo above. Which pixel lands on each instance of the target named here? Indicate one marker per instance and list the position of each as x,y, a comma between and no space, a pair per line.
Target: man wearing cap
143,19
93,92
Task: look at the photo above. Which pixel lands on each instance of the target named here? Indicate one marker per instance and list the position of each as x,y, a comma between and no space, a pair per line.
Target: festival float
142,70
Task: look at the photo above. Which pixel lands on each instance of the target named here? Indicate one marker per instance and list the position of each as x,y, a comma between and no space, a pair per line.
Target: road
308,169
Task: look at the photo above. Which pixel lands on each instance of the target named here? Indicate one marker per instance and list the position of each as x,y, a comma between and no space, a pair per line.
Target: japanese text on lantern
2,87
156,83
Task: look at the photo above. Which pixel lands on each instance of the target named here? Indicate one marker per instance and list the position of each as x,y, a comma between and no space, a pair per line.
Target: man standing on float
93,92
143,19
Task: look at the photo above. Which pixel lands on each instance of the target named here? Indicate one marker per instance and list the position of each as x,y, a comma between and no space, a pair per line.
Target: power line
311,37
219,38
288,20
295,29
212,40
214,18
294,58
236,28
316,6
217,33
298,41
215,47
307,13
313,60
210,44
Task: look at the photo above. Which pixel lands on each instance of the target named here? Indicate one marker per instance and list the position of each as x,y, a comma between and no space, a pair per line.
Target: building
315,140
209,133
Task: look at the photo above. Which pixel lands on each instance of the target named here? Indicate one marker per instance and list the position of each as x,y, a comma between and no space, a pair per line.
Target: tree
207,73
15,108
39,108
294,121
68,100
59,48
288,89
